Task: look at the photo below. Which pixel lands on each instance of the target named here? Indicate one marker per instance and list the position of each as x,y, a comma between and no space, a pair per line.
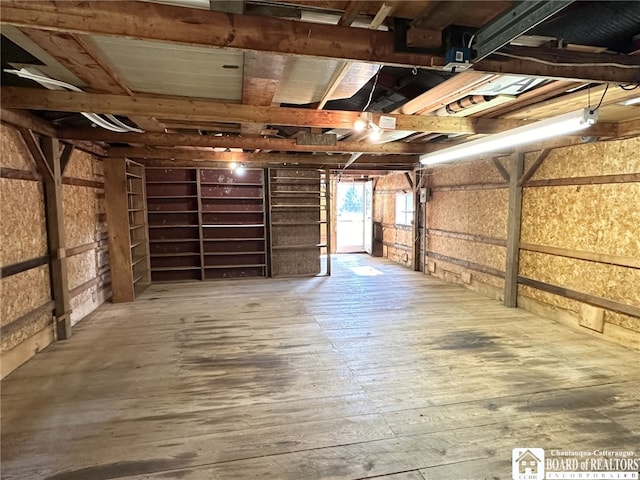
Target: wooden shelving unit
298,221
233,223
206,223
174,227
128,234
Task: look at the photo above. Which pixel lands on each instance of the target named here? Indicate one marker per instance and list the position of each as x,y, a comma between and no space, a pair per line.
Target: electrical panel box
425,193
458,59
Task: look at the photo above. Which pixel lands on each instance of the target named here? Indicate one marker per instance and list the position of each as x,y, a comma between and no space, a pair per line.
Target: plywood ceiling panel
175,69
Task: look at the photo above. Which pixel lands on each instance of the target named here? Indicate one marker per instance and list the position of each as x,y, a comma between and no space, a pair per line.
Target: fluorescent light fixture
631,101
543,129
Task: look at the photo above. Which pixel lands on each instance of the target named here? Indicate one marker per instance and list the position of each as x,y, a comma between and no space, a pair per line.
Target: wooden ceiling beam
353,170
629,128
150,21
277,144
141,20
211,111
24,119
279,158
354,7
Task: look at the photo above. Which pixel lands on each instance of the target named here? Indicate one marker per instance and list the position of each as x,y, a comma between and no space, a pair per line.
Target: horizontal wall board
581,297
581,255
464,263
467,236
23,266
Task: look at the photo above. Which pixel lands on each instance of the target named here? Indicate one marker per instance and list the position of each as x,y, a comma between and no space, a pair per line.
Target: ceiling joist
264,157
249,143
141,20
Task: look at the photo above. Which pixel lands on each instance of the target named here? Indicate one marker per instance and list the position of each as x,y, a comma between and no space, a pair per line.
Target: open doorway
354,215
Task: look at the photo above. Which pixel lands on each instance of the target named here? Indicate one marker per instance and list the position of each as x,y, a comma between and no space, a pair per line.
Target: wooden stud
57,239
516,167
501,170
534,166
65,156
354,7
37,155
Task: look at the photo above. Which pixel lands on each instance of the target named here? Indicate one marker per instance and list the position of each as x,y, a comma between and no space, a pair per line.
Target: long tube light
541,130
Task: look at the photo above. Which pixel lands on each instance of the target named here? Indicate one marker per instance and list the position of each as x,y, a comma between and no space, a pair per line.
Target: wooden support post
57,238
516,167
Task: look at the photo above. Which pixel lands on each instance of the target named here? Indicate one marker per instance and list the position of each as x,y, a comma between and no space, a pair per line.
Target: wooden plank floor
376,372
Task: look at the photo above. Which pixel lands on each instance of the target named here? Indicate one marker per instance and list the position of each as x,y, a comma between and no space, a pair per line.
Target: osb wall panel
85,222
622,320
493,256
398,235
477,212
81,268
599,279
13,152
384,208
397,239
84,166
591,159
23,233
574,307
466,173
398,255
23,292
395,181
7,342
594,218
445,270
80,214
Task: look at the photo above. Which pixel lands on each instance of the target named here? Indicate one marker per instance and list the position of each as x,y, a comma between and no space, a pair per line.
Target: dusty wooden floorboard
376,372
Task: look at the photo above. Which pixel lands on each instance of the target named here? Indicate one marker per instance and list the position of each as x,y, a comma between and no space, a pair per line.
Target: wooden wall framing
397,240
27,304
578,248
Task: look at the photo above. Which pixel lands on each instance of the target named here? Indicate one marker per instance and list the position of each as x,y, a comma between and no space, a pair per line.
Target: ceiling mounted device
541,130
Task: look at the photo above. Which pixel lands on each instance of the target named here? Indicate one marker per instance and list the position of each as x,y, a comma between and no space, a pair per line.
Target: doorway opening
354,217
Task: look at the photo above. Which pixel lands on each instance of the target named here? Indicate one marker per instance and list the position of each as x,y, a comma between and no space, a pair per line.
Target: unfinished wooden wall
397,240
580,239
467,225
579,259
25,292
25,297
86,231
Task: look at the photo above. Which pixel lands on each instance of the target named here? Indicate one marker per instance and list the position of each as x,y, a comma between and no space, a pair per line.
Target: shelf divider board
200,222
129,259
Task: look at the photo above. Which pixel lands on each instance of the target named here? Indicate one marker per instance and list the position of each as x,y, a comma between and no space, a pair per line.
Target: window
404,208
